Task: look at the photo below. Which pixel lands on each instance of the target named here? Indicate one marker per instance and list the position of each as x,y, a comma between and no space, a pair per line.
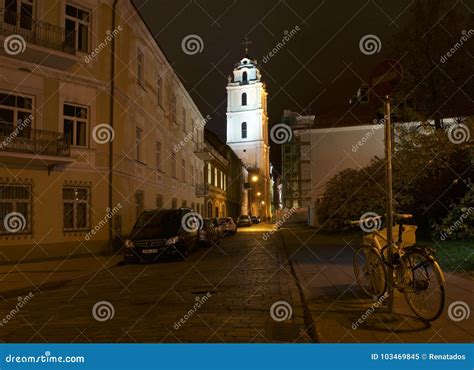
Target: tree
435,49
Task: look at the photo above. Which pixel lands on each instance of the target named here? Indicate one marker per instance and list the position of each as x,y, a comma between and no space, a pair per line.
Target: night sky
317,71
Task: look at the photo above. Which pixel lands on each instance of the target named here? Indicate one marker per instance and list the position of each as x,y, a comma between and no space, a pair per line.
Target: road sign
385,77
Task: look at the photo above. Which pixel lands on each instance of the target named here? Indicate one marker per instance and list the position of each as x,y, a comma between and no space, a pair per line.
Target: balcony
202,152
202,190
46,43
34,147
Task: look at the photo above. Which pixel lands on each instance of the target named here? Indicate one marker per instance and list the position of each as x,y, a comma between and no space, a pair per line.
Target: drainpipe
111,123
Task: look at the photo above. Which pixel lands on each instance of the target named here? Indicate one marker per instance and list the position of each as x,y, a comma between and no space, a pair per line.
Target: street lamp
258,194
254,178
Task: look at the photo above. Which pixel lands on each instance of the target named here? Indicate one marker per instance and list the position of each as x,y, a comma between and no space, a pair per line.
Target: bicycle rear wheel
370,271
423,285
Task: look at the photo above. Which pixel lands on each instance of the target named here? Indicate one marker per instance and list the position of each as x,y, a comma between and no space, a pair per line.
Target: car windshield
164,220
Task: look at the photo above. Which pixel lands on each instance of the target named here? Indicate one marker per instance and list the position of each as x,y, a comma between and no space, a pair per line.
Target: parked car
244,220
217,226
255,219
228,225
159,233
208,234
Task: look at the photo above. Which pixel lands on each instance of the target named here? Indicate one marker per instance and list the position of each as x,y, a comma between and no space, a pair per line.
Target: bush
429,173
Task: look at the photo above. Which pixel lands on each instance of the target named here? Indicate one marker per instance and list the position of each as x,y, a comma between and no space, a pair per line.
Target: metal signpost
383,81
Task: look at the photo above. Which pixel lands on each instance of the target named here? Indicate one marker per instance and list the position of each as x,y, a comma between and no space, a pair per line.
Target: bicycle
416,272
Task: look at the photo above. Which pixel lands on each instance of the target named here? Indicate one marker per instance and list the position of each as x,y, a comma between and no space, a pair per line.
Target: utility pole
389,203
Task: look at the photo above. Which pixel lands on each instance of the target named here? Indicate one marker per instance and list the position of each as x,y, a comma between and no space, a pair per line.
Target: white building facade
247,132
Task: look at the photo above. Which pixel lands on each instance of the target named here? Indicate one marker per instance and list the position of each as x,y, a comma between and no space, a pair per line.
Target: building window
174,203
77,28
225,182
159,201
244,130
139,203
244,78
215,177
159,156
15,209
19,13
222,180
76,208
138,144
209,173
184,119
183,170
173,165
159,91
140,67
16,112
244,99
184,204
173,108
75,124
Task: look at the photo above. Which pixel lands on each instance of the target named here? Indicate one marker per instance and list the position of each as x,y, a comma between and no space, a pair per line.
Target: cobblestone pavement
221,294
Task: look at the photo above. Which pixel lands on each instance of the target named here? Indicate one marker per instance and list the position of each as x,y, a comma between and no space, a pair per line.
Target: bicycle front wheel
369,271
423,285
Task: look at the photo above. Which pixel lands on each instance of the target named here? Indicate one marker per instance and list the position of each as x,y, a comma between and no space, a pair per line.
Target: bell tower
247,129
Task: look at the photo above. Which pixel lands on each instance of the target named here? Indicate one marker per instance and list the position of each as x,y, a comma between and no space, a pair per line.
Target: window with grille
159,201
140,67
77,27
15,209
244,130
76,208
159,156
159,91
75,124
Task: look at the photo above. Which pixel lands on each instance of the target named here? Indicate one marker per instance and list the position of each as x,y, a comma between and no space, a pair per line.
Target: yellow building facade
95,126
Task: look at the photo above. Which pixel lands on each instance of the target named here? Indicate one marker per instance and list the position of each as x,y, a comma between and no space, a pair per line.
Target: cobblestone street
235,284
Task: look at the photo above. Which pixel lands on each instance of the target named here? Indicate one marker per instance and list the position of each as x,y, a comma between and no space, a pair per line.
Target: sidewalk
323,264
21,279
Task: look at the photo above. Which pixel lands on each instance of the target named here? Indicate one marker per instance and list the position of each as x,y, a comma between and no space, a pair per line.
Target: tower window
244,99
244,130
244,78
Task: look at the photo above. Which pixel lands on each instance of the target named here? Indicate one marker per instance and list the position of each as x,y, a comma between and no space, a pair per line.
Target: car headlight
129,244
172,240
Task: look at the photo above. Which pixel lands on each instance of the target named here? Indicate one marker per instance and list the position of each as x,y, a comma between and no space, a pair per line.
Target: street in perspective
267,172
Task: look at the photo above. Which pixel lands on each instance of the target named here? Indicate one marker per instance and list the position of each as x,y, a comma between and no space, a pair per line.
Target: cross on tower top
246,43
